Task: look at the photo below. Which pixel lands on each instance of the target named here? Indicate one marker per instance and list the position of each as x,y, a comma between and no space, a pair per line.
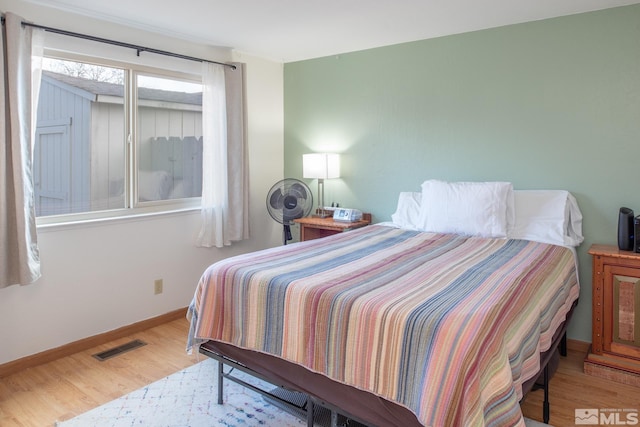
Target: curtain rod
137,48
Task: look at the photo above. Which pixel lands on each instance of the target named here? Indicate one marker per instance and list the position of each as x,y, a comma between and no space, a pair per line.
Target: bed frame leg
563,345
545,404
334,418
309,411
220,378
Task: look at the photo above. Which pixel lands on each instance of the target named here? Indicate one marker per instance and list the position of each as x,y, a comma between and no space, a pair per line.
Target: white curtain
214,154
224,162
19,87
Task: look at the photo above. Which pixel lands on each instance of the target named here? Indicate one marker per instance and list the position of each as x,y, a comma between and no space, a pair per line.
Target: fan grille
289,199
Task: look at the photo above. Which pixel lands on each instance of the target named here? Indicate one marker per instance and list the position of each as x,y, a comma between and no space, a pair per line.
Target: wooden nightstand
615,345
314,228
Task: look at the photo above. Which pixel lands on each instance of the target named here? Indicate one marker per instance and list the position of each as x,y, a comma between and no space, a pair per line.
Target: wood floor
62,389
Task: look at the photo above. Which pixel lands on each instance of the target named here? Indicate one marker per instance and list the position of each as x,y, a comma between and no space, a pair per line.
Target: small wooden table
315,228
615,344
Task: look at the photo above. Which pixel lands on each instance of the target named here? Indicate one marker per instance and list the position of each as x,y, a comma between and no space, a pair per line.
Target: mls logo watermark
587,417
612,417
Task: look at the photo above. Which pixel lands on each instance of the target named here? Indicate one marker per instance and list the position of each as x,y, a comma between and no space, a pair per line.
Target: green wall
551,104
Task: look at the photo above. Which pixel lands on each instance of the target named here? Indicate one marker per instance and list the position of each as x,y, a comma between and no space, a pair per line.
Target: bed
392,324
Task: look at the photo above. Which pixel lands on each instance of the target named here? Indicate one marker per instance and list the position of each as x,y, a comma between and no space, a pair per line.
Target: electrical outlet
157,286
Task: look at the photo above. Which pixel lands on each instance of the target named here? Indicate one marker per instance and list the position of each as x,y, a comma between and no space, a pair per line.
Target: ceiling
293,30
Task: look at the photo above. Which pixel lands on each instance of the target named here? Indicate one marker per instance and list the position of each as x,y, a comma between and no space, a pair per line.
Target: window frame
133,207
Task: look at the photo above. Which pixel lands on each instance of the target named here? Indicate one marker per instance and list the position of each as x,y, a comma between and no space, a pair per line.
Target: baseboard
578,346
87,343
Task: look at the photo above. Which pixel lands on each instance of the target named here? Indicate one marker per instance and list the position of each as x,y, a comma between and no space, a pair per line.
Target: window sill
109,218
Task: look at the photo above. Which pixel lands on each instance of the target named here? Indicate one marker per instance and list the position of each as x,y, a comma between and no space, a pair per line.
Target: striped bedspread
446,325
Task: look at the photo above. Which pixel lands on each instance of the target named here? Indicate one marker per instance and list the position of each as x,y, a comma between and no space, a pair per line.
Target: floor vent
108,354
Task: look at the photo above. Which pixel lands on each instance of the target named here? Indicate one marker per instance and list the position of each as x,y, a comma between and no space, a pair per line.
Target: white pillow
547,216
407,214
468,208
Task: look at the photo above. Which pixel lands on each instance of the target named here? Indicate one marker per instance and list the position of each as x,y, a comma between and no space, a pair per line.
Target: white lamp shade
320,165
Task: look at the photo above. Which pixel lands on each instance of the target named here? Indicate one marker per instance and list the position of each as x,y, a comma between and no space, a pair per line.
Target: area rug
188,398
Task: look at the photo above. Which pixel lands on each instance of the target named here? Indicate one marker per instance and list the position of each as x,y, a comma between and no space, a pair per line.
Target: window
113,139
170,138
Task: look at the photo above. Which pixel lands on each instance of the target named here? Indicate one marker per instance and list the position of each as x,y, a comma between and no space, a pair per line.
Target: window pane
79,151
169,138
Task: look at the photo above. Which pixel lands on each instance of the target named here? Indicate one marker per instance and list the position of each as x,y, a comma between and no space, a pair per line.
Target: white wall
99,276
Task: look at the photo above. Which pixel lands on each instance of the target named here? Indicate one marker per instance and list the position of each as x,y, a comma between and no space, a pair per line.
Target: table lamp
321,166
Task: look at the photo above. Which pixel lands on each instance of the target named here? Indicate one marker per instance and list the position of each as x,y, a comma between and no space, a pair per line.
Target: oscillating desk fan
287,200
